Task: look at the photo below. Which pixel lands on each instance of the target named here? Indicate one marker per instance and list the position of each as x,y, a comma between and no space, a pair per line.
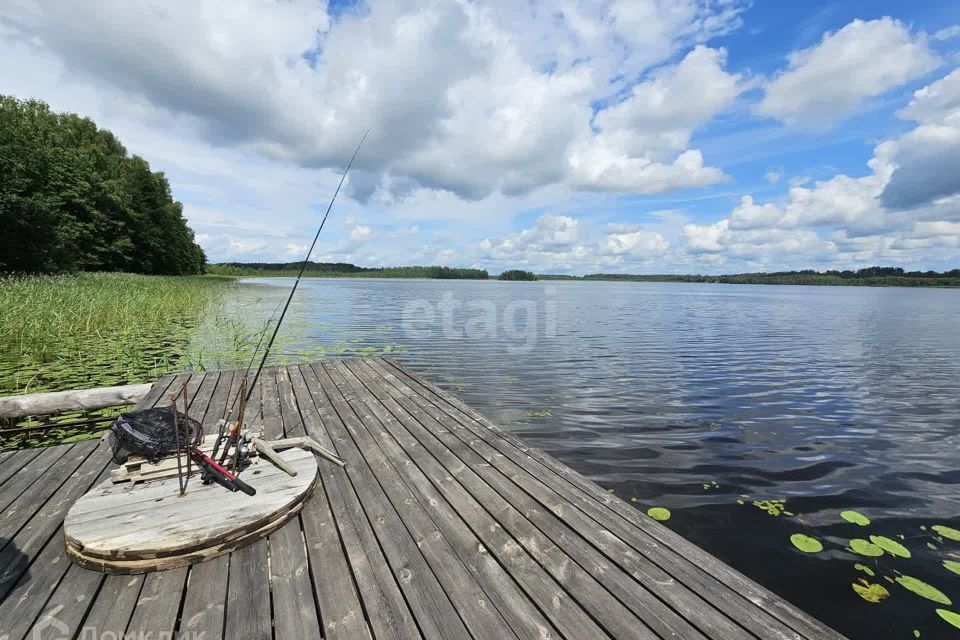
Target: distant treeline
342,270
870,277
517,274
71,199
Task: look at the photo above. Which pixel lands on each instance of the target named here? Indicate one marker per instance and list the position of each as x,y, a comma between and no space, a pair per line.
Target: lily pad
952,566
950,617
923,589
871,592
659,514
855,517
892,547
947,532
805,543
862,567
865,548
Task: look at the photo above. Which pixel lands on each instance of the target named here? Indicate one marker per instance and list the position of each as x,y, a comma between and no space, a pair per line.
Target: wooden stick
268,452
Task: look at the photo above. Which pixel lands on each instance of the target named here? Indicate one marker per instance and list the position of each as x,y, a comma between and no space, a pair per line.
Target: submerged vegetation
71,199
342,270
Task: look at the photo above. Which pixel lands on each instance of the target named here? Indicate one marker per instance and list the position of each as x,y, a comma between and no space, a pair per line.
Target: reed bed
95,329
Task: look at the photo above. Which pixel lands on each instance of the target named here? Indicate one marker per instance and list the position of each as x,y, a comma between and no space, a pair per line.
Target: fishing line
303,267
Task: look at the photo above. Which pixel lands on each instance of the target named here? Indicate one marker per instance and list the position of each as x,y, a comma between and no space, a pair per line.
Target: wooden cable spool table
142,527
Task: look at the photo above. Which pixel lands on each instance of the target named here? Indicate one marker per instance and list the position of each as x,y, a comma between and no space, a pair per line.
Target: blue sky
701,136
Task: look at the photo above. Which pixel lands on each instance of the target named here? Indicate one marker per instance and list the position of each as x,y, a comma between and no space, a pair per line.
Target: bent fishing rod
303,267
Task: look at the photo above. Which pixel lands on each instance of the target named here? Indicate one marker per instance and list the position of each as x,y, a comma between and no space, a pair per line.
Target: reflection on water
695,397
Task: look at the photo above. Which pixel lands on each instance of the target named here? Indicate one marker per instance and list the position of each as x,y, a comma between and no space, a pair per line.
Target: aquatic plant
806,543
865,548
855,517
871,591
947,532
773,507
660,514
892,547
923,589
949,616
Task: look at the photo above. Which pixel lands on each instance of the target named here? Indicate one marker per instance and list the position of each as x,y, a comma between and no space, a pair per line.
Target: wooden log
39,404
270,454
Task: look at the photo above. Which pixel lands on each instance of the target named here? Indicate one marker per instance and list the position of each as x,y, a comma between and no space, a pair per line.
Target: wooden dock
441,526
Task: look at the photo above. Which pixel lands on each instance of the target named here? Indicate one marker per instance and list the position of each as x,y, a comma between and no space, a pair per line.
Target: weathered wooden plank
110,613
159,602
435,614
13,461
558,549
386,609
69,603
28,475
17,514
205,599
42,404
294,611
472,603
248,594
340,611
727,588
476,550
295,607
635,580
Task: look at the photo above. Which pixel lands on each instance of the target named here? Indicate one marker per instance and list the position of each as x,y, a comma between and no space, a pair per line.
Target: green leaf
865,548
855,518
659,513
862,567
947,532
952,566
892,547
950,617
805,543
923,589
871,592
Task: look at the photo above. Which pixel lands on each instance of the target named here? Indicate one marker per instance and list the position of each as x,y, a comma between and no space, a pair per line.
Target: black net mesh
149,433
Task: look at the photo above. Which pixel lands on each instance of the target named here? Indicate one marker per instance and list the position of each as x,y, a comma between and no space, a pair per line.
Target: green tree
72,199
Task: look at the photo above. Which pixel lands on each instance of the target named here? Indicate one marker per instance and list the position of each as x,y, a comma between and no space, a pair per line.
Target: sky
634,136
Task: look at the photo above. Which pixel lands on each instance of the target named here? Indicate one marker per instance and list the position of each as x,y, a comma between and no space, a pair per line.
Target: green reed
94,329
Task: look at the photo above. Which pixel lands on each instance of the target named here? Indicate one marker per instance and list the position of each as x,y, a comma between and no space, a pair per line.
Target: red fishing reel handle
217,470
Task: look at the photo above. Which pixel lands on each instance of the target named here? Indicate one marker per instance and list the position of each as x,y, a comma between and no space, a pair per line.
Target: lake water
694,397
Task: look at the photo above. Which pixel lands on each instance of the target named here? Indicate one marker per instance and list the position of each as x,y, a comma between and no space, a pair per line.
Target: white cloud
829,80
642,142
773,177
461,97
638,242
947,33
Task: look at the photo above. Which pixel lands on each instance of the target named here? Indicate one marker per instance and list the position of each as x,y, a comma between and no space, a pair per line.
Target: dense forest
870,277
71,199
342,270
517,274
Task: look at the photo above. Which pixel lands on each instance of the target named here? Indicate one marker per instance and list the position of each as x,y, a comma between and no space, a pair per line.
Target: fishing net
149,433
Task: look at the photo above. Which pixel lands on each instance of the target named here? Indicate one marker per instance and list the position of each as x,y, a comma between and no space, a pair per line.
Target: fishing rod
303,267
